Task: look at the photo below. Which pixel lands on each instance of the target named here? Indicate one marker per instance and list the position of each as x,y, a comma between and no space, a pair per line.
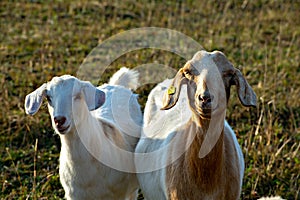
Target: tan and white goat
187,149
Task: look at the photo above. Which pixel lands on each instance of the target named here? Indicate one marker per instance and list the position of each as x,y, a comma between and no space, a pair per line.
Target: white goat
91,166
199,158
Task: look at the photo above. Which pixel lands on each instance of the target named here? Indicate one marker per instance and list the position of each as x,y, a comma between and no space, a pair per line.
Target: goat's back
122,109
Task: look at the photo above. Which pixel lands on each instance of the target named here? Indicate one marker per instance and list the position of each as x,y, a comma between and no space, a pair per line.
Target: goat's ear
94,97
246,95
33,101
171,96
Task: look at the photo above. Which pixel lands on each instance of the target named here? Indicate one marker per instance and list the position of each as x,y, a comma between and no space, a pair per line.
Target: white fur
239,150
157,123
271,198
126,77
85,142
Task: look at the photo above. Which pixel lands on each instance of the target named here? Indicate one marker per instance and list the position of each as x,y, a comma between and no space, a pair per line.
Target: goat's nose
206,97
59,120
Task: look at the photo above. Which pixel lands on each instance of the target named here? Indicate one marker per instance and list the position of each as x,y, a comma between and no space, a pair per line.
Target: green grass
42,39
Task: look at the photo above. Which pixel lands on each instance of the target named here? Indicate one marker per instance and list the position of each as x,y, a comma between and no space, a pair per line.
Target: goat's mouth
63,129
205,111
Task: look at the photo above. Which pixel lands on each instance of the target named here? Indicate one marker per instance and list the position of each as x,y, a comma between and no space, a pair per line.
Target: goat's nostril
59,120
211,97
206,98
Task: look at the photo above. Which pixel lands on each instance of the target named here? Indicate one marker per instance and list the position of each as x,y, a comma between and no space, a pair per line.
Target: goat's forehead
200,54
204,64
211,61
65,83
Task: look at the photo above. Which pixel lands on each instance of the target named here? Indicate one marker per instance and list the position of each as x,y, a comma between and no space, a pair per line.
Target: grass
42,39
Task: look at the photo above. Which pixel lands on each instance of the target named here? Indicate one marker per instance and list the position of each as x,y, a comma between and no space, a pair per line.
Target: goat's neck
93,137
74,142
208,169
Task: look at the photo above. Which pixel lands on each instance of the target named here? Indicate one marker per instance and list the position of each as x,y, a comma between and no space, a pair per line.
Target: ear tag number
171,90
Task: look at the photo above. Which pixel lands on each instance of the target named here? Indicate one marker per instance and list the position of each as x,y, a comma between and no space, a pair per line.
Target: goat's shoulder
232,146
234,161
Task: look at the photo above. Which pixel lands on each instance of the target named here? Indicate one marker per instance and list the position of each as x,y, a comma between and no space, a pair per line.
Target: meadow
41,39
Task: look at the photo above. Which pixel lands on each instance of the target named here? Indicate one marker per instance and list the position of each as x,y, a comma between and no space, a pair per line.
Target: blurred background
42,39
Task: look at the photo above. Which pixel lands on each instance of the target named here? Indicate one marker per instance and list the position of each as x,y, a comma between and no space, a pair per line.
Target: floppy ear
171,96
94,97
246,95
33,101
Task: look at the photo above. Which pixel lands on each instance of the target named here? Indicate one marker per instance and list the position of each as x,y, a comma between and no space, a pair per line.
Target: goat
90,122
198,158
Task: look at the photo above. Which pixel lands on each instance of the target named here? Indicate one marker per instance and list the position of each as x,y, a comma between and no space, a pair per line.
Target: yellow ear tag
171,90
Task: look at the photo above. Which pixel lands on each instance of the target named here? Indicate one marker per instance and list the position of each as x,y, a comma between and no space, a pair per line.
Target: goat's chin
63,130
203,113
206,113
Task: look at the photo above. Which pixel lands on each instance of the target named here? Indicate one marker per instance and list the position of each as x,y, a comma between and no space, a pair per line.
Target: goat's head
208,77
67,96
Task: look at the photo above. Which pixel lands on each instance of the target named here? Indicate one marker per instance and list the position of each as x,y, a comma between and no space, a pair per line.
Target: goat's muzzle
59,122
206,97
205,100
204,104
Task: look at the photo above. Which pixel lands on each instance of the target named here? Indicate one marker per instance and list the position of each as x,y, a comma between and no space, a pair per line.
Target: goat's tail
125,77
